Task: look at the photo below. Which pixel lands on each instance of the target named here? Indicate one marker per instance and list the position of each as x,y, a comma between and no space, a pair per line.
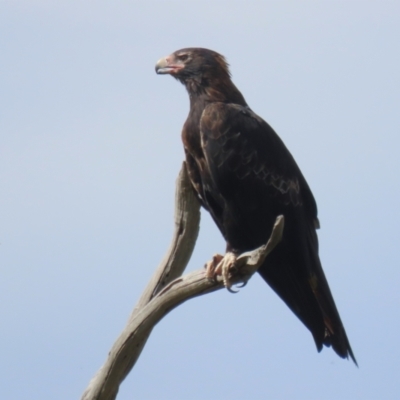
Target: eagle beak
165,66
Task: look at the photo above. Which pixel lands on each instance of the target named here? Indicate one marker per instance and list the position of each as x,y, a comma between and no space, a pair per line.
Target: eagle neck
205,91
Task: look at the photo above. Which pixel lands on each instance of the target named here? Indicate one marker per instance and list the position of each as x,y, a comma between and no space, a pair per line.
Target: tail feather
297,277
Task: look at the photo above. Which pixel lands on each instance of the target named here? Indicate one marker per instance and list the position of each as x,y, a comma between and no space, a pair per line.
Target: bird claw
242,285
241,267
223,266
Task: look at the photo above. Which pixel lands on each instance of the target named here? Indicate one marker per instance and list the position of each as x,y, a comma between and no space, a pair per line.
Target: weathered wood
168,289
122,357
187,223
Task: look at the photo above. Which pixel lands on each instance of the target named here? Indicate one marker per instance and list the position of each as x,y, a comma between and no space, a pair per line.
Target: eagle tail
299,280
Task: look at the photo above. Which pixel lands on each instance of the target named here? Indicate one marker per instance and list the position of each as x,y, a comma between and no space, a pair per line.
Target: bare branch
163,293
187,222
105,384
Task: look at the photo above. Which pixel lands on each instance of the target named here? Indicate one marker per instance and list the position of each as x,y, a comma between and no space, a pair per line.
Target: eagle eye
182,57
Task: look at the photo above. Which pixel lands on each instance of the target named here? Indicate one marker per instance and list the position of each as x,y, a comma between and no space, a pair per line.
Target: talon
242,285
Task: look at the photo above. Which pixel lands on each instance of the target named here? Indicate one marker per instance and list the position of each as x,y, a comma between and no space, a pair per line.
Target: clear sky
89,152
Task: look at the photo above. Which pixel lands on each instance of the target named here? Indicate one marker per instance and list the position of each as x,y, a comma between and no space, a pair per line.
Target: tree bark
167,289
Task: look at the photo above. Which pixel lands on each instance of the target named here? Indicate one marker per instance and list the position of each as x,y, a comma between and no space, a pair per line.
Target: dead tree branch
167,289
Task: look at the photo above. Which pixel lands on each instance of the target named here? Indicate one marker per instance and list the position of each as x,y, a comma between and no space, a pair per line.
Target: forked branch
167,289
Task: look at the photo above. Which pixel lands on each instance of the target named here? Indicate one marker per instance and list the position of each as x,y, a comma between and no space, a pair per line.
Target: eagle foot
224,266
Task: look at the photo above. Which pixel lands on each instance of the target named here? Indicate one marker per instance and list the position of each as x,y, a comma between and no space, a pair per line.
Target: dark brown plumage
245,177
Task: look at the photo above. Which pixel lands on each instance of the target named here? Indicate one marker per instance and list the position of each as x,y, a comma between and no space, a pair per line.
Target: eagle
244,176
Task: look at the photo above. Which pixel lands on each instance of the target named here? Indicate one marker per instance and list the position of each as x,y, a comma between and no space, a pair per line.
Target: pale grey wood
187,223
105,384
162,295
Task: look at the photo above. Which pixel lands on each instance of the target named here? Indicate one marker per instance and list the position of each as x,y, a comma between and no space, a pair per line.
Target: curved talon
231,290
242,285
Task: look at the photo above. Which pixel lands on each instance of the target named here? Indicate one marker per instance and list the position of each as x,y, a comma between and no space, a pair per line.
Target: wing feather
238,144
257,179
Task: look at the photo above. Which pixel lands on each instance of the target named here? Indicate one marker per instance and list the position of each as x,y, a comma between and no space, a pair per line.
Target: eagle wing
249,178
248,168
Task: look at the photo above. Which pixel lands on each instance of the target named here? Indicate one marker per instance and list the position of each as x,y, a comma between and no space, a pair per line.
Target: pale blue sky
89,152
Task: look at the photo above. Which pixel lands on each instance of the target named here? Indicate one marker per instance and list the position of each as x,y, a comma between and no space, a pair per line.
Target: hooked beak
166,66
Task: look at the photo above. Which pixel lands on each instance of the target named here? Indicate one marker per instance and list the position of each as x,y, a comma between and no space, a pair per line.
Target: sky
89,152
